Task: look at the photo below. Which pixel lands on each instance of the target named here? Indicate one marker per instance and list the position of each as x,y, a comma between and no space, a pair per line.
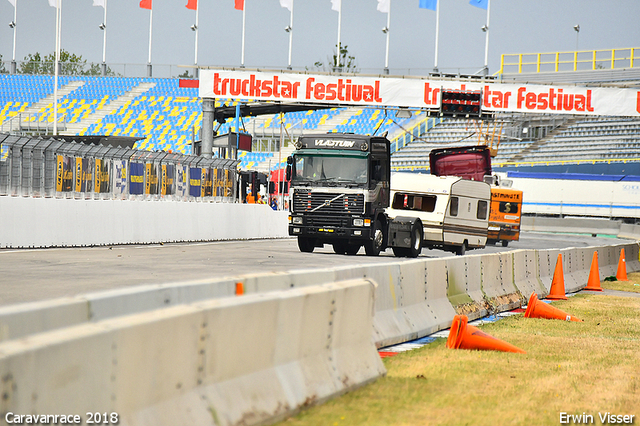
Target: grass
589,367
633,285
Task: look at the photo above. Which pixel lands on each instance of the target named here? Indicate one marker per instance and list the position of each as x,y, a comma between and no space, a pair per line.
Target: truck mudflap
400,231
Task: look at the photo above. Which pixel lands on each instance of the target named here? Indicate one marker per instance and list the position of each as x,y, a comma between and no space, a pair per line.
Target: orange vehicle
504,215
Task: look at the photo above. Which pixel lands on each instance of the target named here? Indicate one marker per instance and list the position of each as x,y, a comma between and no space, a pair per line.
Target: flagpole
14,26
486,43
435,64
386,55
290,34
339,30
55,65
196,31
244,8
150,32
104,41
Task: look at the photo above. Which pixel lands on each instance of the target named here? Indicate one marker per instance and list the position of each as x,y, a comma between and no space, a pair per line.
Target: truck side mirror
288,172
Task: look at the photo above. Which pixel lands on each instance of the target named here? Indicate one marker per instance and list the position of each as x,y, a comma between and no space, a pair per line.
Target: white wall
53,222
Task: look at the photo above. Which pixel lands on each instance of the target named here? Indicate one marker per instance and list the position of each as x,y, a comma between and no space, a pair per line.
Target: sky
516,26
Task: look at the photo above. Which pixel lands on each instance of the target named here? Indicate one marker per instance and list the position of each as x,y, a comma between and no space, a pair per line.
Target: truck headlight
296,220
358,222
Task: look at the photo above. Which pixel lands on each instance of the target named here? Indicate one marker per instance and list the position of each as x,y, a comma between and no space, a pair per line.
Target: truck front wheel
306,245
340,248
416,240
353,249
374,246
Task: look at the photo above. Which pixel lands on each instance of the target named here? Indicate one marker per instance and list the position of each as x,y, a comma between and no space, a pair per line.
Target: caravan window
404,201
453,207
482,210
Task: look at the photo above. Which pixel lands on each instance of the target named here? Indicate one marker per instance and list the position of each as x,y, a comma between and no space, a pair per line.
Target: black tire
340,248
400,251
352,249
416,241
374,246
306,245
461,250
505,243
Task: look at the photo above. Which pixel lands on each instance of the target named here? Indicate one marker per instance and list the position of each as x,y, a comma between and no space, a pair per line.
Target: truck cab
339,188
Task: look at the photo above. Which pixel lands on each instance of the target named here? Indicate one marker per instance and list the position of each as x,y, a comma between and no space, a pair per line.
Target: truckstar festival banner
415,92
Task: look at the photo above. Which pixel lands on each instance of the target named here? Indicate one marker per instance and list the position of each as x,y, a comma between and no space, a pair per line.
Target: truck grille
345,203
329,221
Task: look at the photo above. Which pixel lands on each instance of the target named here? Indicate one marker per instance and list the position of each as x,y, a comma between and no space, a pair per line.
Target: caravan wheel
461,250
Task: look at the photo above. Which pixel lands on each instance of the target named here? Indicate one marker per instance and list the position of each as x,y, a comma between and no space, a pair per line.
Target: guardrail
579,60
191,353
32,122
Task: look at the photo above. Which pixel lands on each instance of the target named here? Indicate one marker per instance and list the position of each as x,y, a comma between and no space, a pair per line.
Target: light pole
103,27
12,25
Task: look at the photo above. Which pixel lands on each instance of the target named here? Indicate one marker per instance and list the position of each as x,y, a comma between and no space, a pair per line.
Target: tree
339,62
70,64
2,70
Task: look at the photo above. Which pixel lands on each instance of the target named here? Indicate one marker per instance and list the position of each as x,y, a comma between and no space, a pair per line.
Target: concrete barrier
628,230
498,284
608,261
414,298
36,317
28,222
576,224
546,266
228,361
525,272
632,257
573,270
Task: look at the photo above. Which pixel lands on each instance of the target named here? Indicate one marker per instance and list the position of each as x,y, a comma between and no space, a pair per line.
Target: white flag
383,5
99,3
54,3
13,2
287,4
336,4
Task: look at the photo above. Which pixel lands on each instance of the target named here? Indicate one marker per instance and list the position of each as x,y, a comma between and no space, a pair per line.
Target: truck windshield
319,170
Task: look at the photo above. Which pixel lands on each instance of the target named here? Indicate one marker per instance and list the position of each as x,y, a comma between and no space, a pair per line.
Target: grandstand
163,115
167,117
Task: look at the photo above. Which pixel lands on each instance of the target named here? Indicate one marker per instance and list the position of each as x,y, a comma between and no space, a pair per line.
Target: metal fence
37,167
570,61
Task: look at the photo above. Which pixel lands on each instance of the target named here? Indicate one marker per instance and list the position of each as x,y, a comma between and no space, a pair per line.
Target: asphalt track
39,274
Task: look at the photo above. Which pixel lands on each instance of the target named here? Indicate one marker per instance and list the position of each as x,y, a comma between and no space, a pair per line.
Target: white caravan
454,211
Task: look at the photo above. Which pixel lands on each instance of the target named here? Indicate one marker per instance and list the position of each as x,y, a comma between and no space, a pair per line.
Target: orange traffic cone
539,309
239,289
557,285
465,336
621,275
594,275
